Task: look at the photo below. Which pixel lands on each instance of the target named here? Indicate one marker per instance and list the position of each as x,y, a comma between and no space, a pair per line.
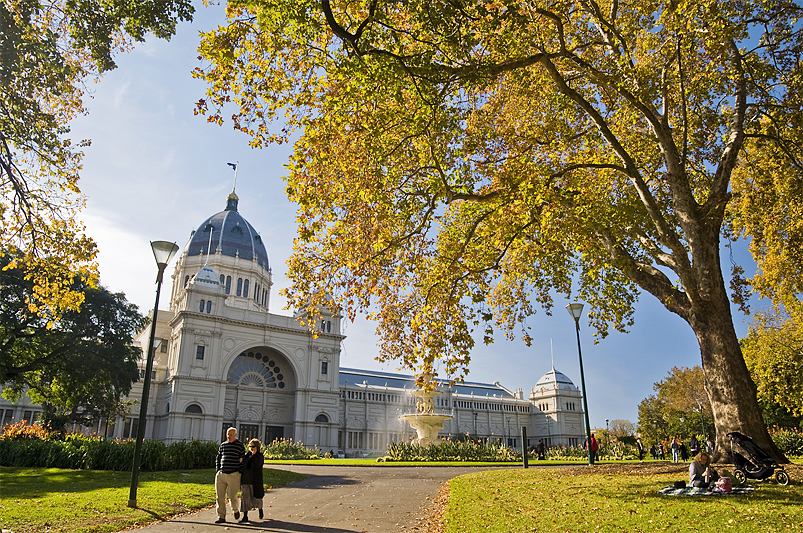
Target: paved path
335,499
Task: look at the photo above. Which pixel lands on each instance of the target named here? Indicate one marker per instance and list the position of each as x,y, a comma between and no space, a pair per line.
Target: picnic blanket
698,491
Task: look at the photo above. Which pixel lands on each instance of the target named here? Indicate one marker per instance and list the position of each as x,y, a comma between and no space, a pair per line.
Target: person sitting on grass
701,474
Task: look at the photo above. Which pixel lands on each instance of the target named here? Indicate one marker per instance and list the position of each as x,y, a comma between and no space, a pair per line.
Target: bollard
524,446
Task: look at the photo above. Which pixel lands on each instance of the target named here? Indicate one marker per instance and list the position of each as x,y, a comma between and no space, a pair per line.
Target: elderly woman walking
251,483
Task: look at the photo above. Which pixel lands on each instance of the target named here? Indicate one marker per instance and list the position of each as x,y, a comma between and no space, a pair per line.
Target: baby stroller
752,462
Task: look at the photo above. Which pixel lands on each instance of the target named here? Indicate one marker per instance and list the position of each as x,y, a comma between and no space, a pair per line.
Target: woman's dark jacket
252,473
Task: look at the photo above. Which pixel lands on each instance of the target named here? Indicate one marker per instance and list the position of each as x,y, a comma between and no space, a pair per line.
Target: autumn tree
462,163
773,350
82,363
48,51
622,428
674,409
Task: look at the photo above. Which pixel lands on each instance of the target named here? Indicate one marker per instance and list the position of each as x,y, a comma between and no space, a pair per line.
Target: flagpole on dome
234,166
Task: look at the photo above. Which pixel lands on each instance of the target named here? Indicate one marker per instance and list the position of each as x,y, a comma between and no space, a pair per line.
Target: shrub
287,449
789,441
448,450
22,430
33,446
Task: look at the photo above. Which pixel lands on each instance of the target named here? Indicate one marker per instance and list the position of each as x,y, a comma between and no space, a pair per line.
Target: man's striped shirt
229,455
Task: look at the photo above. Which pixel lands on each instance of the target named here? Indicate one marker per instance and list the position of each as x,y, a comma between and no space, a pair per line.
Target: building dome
554,379
232,236
207,277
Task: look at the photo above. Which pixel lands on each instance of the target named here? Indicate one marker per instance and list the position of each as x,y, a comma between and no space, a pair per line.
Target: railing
411,410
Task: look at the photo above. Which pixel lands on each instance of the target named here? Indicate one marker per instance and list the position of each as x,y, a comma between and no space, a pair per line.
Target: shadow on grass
37,482
28,483
647,489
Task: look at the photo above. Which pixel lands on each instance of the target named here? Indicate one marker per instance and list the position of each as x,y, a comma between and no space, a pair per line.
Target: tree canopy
82,363
48,50
673,410
462,163
774,353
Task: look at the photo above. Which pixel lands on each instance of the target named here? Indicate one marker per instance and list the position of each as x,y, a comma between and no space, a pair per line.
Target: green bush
448,450
288,449
33,446
789,441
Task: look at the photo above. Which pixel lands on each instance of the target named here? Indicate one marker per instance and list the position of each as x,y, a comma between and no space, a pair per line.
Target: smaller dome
553,378
207,277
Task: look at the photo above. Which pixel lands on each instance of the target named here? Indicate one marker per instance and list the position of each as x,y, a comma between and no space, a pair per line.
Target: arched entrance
260,395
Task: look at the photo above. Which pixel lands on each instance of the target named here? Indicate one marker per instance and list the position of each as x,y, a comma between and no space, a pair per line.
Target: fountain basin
427,425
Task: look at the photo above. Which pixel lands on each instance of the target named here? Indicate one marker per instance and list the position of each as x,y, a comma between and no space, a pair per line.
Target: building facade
223,359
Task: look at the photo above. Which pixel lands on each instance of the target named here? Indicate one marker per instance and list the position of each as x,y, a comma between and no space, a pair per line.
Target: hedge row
447,450
80,452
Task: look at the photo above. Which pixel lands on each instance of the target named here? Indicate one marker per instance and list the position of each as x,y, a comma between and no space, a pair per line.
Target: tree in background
622,428
462,163
48,51
773,350
674,409
81,364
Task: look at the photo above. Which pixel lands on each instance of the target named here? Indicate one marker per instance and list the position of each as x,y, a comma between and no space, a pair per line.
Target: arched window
194,409
209,306
186,280
245,289
239,286
256,370
203,304
328,326
228,284
322,419
264,296
222,280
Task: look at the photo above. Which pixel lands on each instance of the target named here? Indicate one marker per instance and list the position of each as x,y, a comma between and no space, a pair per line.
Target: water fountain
426,421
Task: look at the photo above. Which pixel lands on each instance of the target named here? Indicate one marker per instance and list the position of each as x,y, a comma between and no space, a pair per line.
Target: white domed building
560,403
224,359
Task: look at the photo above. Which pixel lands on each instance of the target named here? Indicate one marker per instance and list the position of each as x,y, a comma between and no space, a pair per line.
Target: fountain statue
425,421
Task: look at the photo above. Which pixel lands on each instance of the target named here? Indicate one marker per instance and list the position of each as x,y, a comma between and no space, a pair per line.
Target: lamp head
163,252
576,310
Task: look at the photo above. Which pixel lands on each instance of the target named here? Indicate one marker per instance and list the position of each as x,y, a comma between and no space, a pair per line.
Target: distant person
593,446
709,446
661,454
684,453
251,485
540,449
640,446
701,474
229,464
675,446
694,446
654,452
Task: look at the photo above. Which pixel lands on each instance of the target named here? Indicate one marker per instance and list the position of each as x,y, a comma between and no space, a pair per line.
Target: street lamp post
475,425
576,310
163,251
702,419
607,432
508,432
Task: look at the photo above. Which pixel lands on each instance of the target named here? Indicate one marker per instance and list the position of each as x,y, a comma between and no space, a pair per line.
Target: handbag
724,484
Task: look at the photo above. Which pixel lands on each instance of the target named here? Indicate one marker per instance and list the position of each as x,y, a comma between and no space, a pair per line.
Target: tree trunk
730,388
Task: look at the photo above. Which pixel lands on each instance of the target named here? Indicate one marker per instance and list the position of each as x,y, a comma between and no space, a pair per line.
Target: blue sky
155,171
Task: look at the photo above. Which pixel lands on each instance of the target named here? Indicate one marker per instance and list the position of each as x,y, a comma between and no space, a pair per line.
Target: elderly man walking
229,465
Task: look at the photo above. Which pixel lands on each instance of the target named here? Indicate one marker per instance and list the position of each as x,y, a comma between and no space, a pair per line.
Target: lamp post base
132,503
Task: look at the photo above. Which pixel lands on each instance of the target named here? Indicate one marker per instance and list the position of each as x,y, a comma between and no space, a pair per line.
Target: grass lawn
55,500
373,462
615,498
